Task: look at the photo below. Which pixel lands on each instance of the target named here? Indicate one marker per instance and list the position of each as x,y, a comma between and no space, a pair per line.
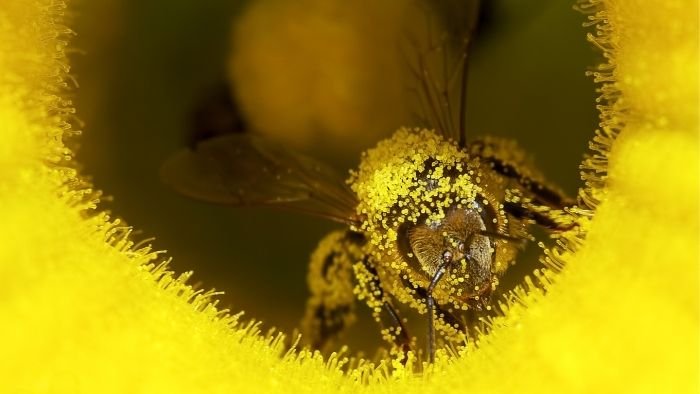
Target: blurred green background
143,66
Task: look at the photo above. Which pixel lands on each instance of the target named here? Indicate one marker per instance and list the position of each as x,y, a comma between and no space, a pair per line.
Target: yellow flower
85,310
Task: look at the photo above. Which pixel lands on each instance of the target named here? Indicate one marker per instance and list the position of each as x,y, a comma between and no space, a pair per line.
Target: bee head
458,240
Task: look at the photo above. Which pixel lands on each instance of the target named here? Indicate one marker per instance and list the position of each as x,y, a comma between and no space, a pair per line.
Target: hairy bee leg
370,289
331,307
491,151
546,219
544,194
401,338
430,301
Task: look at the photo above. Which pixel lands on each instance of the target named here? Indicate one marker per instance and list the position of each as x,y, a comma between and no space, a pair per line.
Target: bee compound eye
447,256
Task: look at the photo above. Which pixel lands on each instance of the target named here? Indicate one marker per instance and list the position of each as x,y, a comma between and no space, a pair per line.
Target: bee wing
243,169
439,60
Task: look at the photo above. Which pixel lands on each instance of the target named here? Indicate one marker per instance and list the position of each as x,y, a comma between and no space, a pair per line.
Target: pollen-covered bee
433,219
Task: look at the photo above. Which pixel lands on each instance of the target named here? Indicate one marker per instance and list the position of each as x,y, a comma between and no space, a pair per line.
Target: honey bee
433,220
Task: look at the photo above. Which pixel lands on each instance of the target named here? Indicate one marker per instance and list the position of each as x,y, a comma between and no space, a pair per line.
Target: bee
432,219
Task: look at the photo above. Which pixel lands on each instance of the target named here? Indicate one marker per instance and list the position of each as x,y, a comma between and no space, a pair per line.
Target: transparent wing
438,61
243,169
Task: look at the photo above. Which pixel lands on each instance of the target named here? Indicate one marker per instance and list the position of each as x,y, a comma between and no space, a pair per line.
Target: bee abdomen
331,307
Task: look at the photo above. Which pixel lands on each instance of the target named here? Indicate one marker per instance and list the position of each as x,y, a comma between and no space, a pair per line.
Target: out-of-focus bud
327,72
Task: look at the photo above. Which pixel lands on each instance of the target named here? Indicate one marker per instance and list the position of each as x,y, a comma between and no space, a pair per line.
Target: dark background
143,65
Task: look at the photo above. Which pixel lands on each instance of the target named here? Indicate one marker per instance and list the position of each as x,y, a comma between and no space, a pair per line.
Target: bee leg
396,329
430,301
331,307
507,159
370,289
543,217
